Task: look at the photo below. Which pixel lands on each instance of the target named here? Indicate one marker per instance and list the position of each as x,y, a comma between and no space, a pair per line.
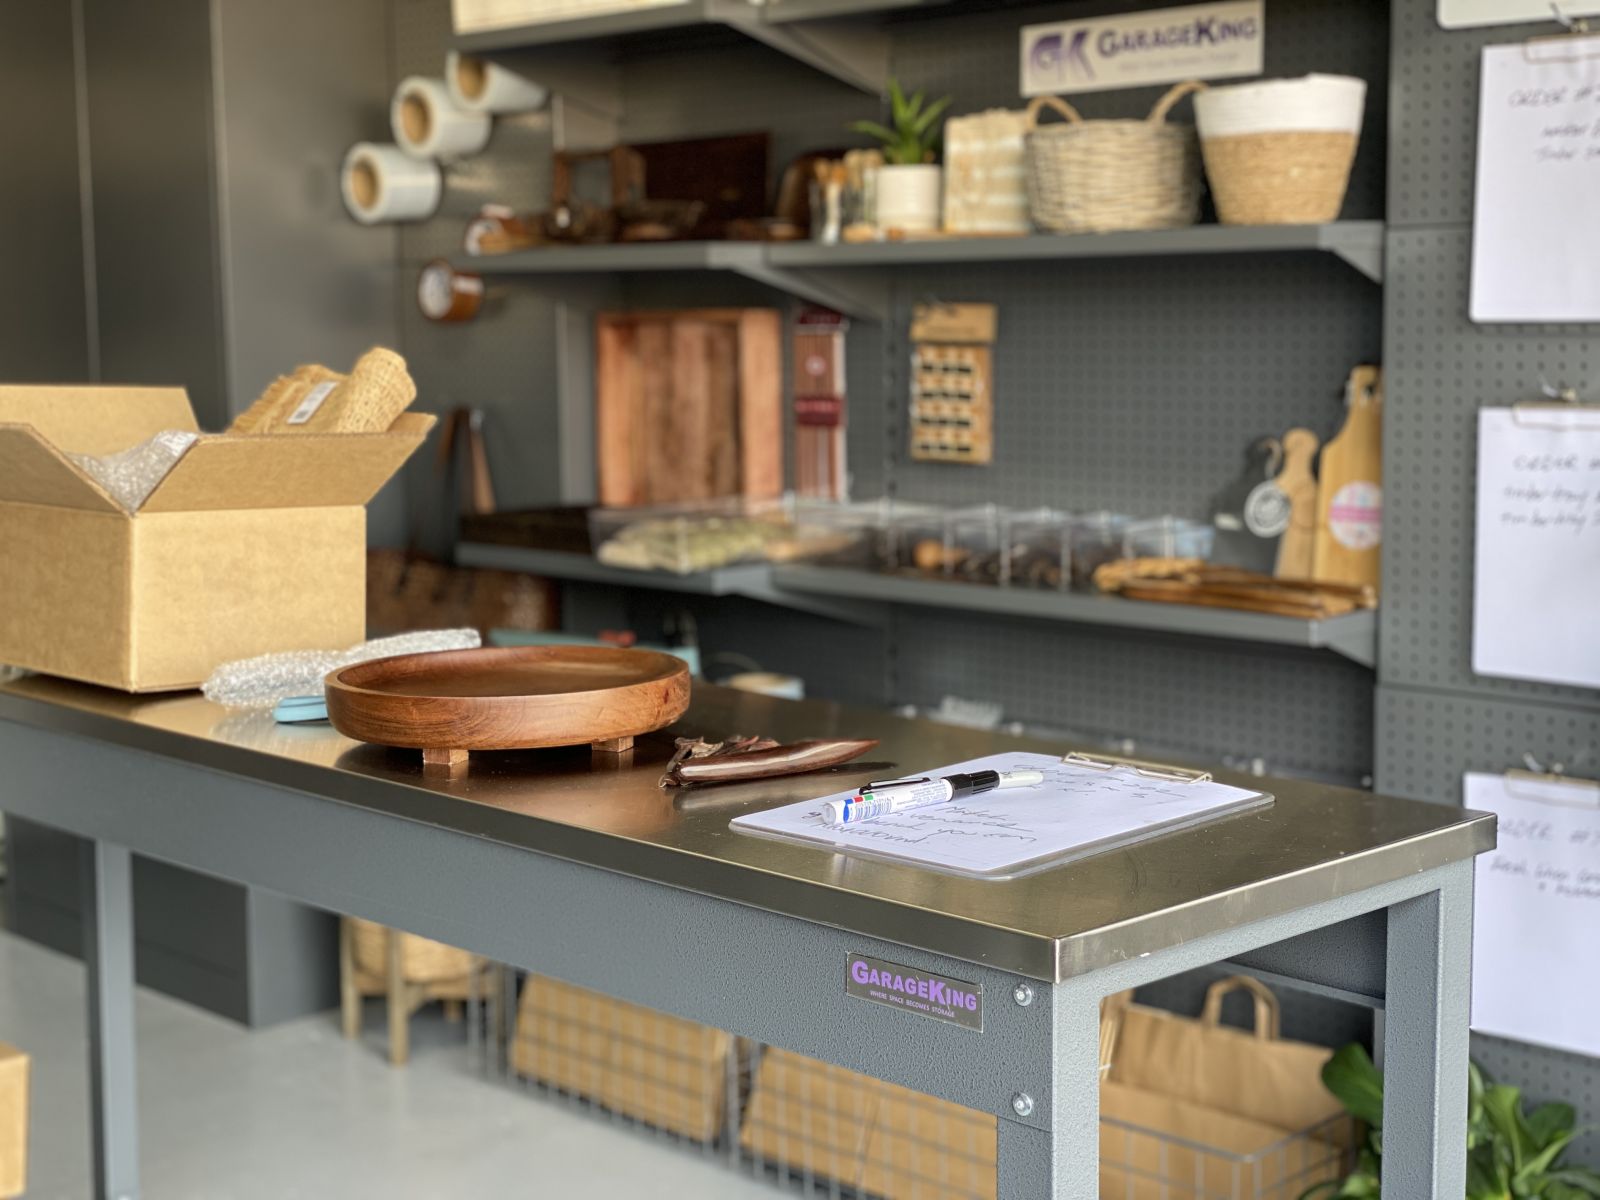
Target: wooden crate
13,1121
688,405
637,1062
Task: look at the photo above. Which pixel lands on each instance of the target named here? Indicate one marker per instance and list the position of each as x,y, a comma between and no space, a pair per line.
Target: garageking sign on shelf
1206,41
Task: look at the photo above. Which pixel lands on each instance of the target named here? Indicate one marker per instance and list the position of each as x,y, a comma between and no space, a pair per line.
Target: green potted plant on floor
1511,1155
911,181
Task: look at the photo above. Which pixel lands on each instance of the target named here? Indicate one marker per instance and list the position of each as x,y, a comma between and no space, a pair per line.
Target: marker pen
900,795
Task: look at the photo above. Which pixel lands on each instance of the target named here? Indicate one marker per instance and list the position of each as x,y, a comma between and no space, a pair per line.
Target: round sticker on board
1355,518
1266,510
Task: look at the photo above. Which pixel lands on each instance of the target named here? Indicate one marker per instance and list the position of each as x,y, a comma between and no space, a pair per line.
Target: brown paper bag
1158,1147
1257,1075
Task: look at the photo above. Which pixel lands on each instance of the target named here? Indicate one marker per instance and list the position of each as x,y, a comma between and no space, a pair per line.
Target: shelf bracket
860,294
848,51
1356,641
1366,257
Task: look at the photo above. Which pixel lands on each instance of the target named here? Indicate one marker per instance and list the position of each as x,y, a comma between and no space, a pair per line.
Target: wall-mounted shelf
1353,636
835,37
862,598
853,278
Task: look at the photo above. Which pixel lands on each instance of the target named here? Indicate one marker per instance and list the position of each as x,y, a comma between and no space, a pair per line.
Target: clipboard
1087,805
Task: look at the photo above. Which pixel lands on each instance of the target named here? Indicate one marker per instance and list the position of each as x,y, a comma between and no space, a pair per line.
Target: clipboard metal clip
1571,27
1560,398
1149,770
1576,25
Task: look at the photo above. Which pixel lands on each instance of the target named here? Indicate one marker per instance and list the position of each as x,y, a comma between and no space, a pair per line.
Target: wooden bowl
451,701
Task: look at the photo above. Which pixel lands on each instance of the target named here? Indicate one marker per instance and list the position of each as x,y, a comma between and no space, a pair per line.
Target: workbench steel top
1315,843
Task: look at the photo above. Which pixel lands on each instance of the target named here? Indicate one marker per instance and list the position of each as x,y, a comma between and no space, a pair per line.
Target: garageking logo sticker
1206,41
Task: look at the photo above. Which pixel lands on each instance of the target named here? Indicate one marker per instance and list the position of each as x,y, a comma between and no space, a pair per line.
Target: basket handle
1267,1029
1167,103
1055,102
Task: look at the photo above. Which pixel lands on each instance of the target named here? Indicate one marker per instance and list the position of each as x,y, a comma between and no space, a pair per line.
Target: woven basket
421,959
1101,176
1279,152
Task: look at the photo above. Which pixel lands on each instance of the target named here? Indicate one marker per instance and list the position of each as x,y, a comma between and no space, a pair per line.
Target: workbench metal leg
1425,1040
1061,1159
108,963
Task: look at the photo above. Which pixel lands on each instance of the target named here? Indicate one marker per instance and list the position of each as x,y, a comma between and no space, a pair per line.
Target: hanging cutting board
688,405
1296,548
1350,505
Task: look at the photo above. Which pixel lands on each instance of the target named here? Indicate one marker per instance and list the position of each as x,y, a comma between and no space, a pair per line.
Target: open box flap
311,470
32,471
89,419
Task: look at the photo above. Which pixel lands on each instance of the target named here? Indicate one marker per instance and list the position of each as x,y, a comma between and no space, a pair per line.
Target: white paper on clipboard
1534,237
1077,811
1537,911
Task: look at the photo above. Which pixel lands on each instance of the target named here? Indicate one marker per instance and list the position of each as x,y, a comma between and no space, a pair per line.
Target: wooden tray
452,701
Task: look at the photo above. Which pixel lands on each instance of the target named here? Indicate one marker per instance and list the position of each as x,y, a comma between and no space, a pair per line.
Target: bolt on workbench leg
108,965
1426,1042
1061,1160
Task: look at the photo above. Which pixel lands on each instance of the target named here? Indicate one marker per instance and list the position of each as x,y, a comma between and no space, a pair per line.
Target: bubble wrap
131,475
263,681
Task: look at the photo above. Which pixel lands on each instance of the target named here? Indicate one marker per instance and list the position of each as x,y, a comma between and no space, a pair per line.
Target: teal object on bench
300,710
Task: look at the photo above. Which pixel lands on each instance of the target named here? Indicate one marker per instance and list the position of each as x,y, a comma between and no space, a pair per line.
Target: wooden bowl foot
613,745
443,762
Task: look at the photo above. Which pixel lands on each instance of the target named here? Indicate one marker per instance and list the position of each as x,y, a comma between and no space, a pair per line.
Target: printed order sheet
1535,239
1536,599
1077,811
1536,916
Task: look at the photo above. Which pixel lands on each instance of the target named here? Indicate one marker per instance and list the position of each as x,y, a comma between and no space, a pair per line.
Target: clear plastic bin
1037,549
973,544
1168,537
914,540
1095,538
685,539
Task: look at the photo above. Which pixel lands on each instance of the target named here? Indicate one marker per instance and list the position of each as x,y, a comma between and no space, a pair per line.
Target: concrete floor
298,1112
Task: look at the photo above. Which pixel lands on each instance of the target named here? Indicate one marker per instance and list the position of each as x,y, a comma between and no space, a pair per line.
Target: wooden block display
13,1122
689,405
952,383
874,1137
662,1070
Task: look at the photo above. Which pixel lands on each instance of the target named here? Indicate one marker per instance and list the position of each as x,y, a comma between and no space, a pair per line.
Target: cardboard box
13,1121
662,1070
250,545
874,1137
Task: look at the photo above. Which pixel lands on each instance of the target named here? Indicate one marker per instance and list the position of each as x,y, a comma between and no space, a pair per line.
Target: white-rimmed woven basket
1101,176
1279,152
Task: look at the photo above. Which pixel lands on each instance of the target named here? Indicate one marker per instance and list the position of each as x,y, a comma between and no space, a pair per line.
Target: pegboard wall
1436,720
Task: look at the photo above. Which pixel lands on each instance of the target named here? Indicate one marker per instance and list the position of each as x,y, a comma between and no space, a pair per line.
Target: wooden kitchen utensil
526,697
1350,488
1300,486
689,405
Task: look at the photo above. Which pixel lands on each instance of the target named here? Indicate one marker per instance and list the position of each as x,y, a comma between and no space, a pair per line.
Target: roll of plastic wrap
478,85
427,124
382,183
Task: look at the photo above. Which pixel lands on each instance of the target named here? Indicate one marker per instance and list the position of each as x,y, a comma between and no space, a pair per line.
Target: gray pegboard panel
973,55
1440,369
1434,94
1430,739
1136,384
1301,711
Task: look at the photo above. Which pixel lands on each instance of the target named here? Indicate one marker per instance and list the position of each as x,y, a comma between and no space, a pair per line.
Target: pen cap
834,810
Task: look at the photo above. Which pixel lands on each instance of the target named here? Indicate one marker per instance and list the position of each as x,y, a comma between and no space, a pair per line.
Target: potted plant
1509,1153
911,180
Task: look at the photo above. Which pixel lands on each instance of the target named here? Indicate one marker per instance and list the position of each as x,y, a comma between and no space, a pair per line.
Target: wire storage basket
1103,176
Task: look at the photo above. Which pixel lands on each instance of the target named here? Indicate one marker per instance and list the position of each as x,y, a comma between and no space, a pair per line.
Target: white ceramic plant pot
908,197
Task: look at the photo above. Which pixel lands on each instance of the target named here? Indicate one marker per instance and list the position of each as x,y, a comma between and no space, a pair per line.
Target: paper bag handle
1267,1022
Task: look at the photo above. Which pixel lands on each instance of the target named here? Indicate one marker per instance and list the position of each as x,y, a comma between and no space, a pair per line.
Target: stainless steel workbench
584,870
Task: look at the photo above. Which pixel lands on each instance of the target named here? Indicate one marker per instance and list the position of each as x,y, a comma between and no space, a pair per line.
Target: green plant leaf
1573,1182
897,100
1359,1186
1502,1105
930,115
1481,1183
1550,1120
1356,1083
1325,1190
1534,1171
873,129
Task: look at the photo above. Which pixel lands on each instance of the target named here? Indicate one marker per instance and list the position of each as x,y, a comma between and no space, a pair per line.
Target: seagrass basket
1103,176
422,960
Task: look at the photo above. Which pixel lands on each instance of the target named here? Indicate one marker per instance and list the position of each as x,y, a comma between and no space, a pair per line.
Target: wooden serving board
453,701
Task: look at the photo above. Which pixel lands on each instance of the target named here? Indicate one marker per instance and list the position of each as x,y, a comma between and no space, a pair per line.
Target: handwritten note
1075,812
1536,611
1536,926
1534,236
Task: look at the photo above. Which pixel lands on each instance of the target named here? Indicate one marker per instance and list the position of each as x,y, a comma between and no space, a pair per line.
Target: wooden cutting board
689,405
1350,502
1300,486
